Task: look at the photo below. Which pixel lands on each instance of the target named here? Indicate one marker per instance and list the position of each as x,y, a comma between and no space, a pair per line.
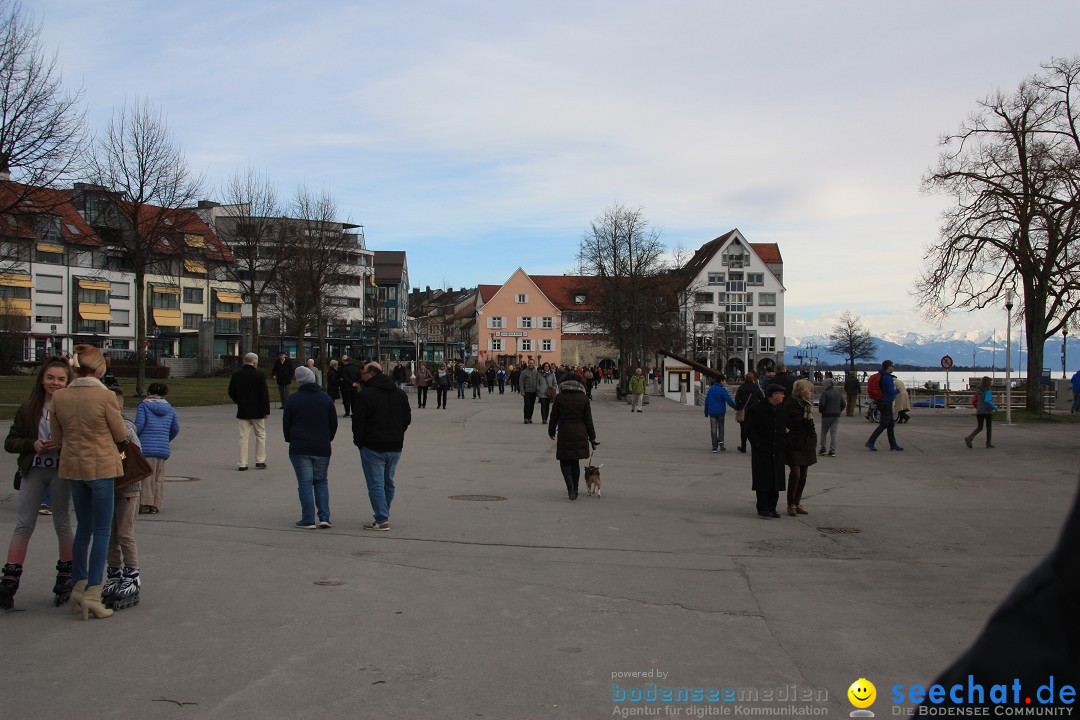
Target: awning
165,290
228,315
194,266
229,297
16,306
166,318
17,281
92,311
194,241
46,247
94,284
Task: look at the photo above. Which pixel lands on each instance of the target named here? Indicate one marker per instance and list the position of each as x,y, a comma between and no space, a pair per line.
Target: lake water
957,381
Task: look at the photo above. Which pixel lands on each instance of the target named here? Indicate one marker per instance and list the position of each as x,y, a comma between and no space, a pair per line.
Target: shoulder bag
136,466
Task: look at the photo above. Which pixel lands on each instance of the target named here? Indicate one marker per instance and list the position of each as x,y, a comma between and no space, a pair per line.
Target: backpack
975,399
873,387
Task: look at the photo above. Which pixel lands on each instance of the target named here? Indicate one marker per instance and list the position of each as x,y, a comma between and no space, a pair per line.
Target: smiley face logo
862,693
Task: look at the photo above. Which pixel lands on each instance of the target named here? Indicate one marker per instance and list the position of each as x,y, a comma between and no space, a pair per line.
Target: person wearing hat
766,428
309,423
571,419
887,423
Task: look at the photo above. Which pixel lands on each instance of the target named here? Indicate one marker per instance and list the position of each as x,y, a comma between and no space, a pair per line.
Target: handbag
550,392
740,415
136,466
18,478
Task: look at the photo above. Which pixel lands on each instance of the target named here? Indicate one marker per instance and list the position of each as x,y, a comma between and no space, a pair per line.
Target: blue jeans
311,480
379,472
93,502
716,430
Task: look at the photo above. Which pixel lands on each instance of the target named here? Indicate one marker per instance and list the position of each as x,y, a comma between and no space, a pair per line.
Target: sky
481,137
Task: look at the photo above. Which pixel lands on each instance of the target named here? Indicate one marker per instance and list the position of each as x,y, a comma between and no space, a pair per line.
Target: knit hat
304,375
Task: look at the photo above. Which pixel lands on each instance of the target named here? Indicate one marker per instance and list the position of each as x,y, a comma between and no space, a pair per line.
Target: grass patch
183,392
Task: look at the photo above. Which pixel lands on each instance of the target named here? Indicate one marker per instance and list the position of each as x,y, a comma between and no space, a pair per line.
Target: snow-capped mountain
910,348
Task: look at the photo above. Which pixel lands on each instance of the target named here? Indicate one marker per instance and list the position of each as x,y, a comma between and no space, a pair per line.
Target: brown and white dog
592,479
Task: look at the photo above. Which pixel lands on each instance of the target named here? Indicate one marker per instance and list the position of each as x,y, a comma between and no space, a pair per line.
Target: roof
561,289
34,202
488,291
769,253
389,266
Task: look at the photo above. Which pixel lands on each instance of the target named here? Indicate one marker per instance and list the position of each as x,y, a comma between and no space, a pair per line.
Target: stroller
873,414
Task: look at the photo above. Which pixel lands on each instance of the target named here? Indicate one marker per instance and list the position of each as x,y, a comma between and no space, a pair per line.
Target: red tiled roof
173,224
560,290
768,252
43,201
488,291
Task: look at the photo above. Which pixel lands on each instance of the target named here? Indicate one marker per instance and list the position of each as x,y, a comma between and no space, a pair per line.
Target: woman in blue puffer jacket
156,424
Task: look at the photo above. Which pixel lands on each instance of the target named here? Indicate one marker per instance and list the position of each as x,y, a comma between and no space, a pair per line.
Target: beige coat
902,401
86,424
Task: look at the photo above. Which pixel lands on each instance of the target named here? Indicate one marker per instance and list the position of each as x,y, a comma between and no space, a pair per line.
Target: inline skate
122,588
62,588
9,585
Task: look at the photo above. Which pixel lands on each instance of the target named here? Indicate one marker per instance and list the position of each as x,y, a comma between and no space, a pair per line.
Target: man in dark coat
247,388
766,428
400,376
571,417
382,416
784,379
282,372
350,383
852,387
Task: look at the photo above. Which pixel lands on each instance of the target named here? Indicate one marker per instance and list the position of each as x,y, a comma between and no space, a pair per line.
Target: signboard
1046,376
946,363
511,334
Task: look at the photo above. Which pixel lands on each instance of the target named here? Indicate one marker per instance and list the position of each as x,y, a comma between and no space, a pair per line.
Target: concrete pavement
533,606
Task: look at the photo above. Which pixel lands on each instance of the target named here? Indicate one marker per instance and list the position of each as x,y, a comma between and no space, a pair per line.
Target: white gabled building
734,300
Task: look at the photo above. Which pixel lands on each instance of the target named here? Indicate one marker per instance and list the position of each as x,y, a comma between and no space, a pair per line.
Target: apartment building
518,322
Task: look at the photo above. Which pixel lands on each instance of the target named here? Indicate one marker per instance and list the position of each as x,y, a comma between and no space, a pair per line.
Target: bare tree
850,339
1013,170
321,256
146,181
14,329
41,125
254,232
625,256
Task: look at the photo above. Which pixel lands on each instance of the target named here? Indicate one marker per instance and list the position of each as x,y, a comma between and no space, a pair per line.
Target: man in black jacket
282,372
381,417
248,390
350,383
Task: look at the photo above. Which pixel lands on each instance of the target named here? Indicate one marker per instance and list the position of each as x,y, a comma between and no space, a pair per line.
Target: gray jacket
831,403
543,382
528,379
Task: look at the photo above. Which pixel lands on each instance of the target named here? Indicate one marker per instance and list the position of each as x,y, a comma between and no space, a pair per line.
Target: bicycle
873,413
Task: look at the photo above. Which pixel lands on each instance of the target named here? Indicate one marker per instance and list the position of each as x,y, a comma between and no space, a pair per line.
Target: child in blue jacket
156,423
716,402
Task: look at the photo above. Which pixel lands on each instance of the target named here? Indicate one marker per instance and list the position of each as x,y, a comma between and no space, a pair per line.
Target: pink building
518,322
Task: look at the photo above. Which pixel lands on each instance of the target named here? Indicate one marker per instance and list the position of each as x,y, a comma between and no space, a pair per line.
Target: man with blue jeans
380,418
310,423
885,407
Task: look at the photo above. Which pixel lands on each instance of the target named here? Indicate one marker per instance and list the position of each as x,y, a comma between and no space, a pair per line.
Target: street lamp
1008,355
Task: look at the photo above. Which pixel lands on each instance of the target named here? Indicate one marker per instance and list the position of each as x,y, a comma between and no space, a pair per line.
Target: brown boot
91,603
799,509
792,511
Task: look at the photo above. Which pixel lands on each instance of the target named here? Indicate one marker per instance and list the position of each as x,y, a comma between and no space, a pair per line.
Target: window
547,323
12,250
50,284
381,294
226,326
547,346
44,256
755,278
496,322
768,344
525,344
703,317
191,320
766,299
223,307
766,319
749,298
8,291
716,278
120,290
193,295
703,298
579,299
49,314
97,297
496,344
92,326
525,322
82,258
120,318
521,298
165,300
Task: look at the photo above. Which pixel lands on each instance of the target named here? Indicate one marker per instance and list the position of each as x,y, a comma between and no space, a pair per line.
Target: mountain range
911,348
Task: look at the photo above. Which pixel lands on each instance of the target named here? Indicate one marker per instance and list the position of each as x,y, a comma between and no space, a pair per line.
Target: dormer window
579,299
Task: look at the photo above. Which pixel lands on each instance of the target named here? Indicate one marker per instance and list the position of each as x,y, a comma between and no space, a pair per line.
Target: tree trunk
140,328
1036,339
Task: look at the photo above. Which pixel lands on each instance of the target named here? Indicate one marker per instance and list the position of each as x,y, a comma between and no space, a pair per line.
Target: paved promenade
533,606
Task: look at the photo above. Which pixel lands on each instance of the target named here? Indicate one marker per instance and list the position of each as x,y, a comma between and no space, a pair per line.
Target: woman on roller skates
39,460
86,423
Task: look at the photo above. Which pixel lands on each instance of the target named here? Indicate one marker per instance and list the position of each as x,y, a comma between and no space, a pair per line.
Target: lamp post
1064,347
810,347
1008,355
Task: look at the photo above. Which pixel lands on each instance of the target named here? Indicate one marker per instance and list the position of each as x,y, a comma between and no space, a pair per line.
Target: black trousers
440,395
766,500
571,472
545,404
989,421
530,403
421,397
348,397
